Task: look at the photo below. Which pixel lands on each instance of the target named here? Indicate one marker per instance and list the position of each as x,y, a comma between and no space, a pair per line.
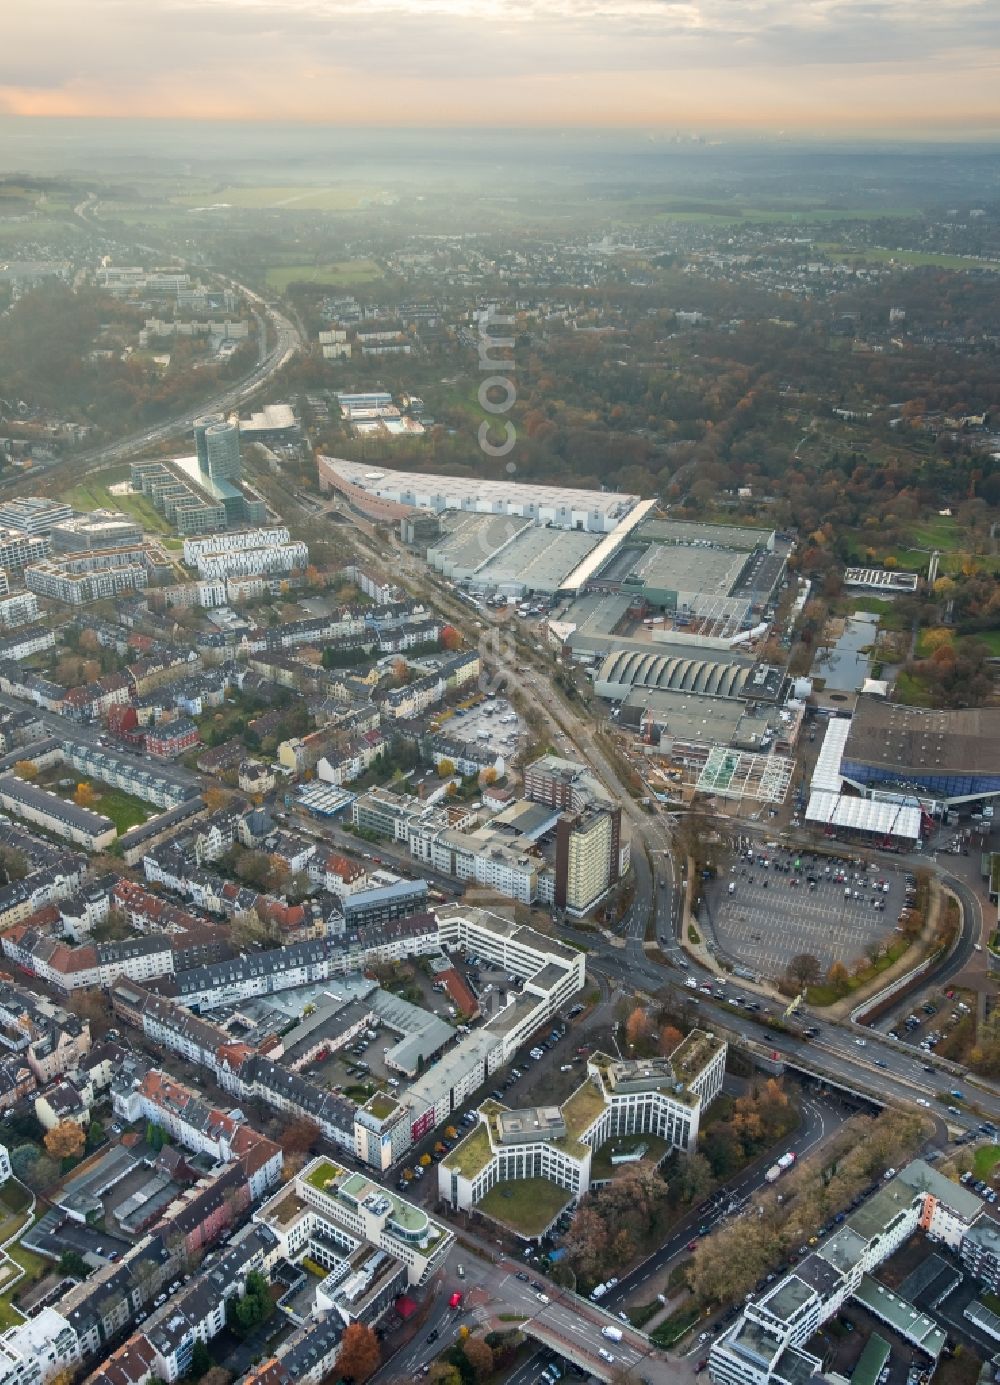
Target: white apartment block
229,542
155,328
767,1342
661,1097
38,1349
18,549
18,610
247,562
79,578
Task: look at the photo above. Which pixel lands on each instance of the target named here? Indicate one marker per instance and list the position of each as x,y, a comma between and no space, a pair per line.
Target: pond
843,666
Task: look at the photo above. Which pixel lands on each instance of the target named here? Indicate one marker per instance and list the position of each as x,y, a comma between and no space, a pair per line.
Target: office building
331,1214
767,1342
201,427
659,1097
222,452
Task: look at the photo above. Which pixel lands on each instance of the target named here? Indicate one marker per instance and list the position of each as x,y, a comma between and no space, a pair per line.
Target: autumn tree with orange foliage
637,1026
359,1355
65,1140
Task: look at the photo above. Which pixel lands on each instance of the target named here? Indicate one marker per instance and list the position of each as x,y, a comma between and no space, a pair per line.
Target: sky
799,67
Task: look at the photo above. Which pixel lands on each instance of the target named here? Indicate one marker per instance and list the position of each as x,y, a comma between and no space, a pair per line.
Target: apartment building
192,1122
18,610
242,562
196,548
565,784
767,1342
79,578
588,856
70,969
980,1253
38,1349
41,1034
31,640
172,738
19,549
93,831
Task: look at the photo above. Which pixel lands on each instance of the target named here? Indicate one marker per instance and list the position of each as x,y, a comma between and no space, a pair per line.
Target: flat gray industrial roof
540,558
902,738
472,540
714,571
680,531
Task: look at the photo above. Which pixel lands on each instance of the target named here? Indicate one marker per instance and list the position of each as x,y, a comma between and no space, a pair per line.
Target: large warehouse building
562,507
953,756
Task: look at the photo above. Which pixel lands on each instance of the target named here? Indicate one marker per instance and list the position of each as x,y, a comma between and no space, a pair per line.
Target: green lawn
883,607
93,494
34,1266
671,1329
941,531
601,1165
991,639
526,1205
909,257
348,273
911,691
124,809
985,1160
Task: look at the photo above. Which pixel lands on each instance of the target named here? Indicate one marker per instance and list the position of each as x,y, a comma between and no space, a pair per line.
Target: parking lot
493,723
832,907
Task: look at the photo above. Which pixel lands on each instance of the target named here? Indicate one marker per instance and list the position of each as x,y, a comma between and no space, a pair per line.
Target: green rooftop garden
601,1165
381,1106
526,1205
471,1154
322,1174
581,1109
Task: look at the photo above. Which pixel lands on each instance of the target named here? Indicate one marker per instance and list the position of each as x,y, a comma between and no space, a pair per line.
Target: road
877,1065
571,1327
269,362
822,1115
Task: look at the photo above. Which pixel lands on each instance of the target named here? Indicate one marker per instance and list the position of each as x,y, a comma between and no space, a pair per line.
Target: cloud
701,62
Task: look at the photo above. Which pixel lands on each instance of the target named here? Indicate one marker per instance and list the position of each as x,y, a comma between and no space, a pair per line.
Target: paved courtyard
829,906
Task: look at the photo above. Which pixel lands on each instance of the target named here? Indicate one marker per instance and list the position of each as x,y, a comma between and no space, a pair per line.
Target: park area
95,493
339,274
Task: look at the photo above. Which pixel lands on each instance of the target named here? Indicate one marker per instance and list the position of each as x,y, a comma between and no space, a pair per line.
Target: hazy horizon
848,67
